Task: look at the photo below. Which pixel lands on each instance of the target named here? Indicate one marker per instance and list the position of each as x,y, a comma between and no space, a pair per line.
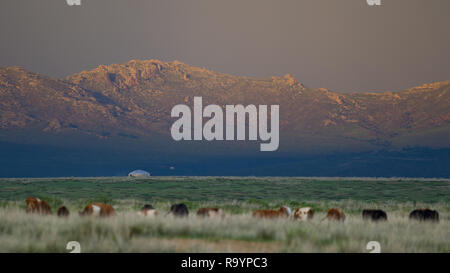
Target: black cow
424,215
179,210
374,215
63,212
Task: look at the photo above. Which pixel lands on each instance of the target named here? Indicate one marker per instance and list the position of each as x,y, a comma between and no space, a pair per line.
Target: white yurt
139,173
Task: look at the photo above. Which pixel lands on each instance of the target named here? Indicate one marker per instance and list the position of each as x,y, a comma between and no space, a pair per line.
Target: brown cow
148,210
36,205
335,214
63,212
210,212
98,209
303,214
267,213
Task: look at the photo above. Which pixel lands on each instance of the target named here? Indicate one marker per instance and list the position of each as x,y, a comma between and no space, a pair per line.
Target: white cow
303,214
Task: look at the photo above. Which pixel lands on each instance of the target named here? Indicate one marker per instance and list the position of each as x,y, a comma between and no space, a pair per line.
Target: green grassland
238,231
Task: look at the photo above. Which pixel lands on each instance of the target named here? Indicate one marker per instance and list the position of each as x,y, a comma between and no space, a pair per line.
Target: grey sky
343,45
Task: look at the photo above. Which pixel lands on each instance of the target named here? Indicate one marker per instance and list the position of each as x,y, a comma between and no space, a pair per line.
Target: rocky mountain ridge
135,99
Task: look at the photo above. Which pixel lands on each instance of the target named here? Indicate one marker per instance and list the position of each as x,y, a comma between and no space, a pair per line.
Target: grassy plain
238,231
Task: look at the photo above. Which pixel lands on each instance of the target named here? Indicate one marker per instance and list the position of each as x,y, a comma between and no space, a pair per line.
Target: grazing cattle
374,215
303,214
424,215
63,212
35,205
98,209
210,212
148,210
180,210
267,213
335,215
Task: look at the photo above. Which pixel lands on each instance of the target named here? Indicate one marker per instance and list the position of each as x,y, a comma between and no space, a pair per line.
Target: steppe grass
238,231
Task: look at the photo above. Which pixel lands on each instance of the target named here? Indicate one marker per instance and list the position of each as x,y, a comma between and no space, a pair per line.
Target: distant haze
341,45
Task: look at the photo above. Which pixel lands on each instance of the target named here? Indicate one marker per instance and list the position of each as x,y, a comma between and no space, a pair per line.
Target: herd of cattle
35,205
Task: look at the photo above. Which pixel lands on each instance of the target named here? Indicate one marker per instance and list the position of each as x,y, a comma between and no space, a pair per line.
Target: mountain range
124,109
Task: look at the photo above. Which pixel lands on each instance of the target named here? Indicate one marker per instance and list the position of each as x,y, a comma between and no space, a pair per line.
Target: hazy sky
343,45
